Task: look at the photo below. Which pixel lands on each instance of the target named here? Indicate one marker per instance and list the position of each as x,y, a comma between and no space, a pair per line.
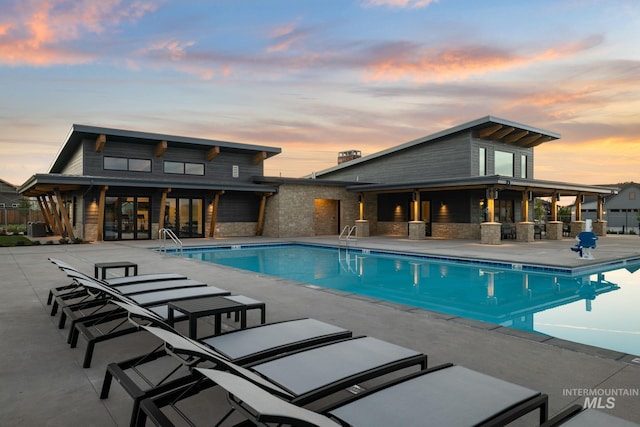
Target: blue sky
318,77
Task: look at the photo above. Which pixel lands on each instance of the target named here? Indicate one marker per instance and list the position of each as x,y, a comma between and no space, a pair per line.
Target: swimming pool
595,307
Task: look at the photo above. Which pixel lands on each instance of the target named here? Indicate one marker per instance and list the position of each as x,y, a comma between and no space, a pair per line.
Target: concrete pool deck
43,383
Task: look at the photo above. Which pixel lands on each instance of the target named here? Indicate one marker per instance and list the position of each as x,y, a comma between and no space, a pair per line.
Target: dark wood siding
238,207
442,159
217,170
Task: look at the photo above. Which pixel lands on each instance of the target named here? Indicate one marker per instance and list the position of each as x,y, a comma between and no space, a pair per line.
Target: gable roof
488,128
80,132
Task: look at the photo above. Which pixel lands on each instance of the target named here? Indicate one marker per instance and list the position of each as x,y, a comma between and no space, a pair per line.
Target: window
504,163
124,164
235,171
174,167
116,164
523,166
194,168
482,171
632,195
184,168
140,165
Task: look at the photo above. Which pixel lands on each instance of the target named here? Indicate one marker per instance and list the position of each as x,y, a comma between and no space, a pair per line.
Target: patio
43,382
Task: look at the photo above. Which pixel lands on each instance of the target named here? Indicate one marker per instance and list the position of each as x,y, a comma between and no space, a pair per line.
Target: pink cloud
36,32
403,60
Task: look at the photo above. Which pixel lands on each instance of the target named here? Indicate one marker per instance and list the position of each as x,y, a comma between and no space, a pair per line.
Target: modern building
466,182
113,184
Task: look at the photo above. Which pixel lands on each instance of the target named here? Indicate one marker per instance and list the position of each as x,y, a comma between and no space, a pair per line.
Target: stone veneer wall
235,229
391,228
291,212
455,230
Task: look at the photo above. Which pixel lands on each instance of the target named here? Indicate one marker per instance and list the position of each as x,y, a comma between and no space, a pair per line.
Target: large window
124,164
184,168
503,163
482,162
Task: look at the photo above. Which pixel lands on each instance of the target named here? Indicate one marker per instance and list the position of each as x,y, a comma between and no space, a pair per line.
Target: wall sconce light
94,200
442,203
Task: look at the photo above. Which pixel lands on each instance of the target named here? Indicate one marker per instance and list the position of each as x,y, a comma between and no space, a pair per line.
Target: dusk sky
316,77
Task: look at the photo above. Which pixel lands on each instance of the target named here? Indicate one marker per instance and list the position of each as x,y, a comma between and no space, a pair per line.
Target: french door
185,216
126,218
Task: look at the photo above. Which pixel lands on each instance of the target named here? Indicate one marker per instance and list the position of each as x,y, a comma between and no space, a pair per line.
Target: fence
13,216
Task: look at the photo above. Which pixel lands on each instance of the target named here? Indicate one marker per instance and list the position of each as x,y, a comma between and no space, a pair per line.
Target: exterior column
263,204
101,206
417,228
362,225
45,212
55,216
214,213
600,225
63,214
554,227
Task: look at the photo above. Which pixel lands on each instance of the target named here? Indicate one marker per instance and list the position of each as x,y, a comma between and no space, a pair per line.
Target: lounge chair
141,377
446,395
299,377
155,301
124,285
575,415
586,242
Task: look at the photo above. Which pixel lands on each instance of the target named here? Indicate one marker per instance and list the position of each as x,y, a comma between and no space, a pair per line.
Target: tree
24,208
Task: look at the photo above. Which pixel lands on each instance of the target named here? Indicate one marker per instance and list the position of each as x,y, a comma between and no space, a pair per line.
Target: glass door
185,216
126,218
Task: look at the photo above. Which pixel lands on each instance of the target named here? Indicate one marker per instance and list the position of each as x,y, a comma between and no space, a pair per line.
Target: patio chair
141,377
446,395
575,415
586,242
81,321
300,377
126,285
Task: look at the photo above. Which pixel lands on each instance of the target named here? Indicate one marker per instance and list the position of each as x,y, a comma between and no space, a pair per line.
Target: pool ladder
347,235
163,233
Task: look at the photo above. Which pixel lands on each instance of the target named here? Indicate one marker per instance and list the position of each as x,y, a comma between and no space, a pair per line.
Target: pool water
597,307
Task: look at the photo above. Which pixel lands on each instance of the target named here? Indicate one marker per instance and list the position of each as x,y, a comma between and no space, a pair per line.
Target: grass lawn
16,240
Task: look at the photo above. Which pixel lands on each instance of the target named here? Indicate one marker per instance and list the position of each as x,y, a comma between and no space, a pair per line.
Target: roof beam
501,133
259,157
212,153
531,140
516,136
538,141
101,140
483,133
161,148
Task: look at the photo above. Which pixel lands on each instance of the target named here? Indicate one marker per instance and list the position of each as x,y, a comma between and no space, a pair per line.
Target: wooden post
45,213
263,204
64,214
578,207
600,215
101,207
554,206
525,206
56,218
163,207
214,213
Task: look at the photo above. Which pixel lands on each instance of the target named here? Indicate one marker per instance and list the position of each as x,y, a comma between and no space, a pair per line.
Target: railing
162,235
350,262
346,235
